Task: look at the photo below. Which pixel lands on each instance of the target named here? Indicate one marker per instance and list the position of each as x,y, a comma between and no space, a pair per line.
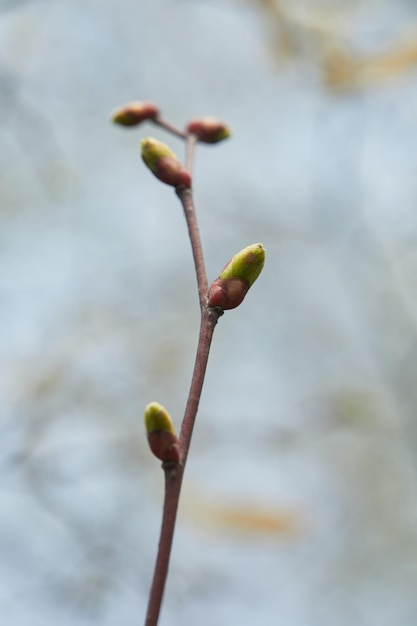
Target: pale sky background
300,497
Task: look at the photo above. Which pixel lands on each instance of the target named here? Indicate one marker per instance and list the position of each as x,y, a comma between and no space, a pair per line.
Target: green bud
246,264
134,113
208,129
236,278
153,150
160,431
163,163
158,418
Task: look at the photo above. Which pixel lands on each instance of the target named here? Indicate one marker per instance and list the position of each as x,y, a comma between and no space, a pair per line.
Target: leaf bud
208,129
135,113
160,431
236,278
164,164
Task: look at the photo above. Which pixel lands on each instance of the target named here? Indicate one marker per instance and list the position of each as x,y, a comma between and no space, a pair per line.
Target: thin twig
187,201
189,153
174,472
209,320
159,121
173,481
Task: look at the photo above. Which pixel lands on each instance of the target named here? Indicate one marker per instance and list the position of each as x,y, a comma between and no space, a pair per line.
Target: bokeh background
300,499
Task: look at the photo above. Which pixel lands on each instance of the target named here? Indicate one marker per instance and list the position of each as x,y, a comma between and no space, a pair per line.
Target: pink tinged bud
208,129
170,171
164,164
162,439
164,446
227,294
236,278
135,113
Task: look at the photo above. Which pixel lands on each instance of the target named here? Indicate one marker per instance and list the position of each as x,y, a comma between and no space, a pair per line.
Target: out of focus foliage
346,40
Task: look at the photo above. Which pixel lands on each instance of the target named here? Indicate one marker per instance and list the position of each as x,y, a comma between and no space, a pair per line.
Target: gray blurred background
300,499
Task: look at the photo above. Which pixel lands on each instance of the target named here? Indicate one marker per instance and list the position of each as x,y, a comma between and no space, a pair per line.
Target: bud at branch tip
208,129
135,113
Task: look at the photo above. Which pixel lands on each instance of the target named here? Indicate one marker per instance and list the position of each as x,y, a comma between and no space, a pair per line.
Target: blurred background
300,499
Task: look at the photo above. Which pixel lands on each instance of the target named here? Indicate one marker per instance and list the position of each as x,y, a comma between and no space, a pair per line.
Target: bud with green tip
236,278
135,113
208,129
162,439
164,163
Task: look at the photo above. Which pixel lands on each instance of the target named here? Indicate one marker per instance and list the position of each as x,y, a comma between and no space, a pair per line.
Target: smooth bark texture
174,472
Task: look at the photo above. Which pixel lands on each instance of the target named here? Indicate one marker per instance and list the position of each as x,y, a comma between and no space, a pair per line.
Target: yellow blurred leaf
245,517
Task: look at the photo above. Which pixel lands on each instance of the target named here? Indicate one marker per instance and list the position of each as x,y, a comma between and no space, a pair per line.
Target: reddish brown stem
159,121
208,323
174,472
186,197
173,481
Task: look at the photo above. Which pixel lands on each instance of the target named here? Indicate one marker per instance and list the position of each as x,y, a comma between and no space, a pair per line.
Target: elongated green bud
208,129
236,278
160,431
164,164
135,113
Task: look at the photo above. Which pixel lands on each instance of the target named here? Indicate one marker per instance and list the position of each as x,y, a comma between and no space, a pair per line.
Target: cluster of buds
237,277
160,431
160,159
